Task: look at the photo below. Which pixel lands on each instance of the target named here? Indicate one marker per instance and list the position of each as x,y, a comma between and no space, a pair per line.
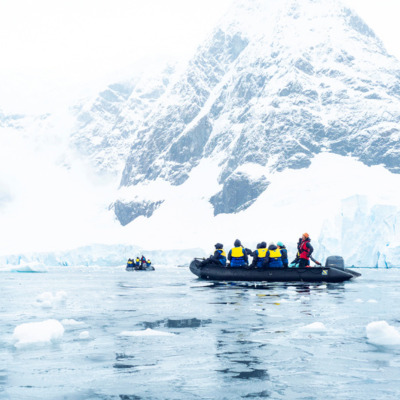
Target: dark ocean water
168,335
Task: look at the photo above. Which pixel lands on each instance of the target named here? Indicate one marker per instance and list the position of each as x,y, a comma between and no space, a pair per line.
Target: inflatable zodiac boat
334,271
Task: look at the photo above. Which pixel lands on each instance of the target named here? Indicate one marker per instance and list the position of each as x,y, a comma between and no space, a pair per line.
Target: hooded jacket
238,255
273,257
305,249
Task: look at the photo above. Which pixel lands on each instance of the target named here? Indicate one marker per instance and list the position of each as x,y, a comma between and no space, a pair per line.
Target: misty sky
53,52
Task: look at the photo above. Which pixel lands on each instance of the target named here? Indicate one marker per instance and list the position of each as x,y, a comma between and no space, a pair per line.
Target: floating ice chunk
314,327
48,300
359,301
45,300
71,322
371,301
37,333
304,299
85,335
146,332
33,266
381,333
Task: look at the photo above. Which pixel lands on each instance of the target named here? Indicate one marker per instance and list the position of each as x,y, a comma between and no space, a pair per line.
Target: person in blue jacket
219,257
238,255
259,255
284,255
273,257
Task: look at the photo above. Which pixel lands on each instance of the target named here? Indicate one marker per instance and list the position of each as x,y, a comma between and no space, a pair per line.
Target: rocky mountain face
107,125
275,84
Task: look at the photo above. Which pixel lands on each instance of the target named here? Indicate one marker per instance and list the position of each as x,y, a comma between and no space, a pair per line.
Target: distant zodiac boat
141,268
334,271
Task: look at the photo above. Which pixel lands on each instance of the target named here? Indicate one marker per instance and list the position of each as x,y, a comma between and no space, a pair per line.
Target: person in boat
129,263
249,252
273,257
259,255
295,263
284,255
148,263
305,251
238,255
219,257
137,262
142,262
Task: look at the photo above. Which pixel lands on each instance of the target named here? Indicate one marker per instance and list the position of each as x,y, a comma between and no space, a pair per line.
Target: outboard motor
335,262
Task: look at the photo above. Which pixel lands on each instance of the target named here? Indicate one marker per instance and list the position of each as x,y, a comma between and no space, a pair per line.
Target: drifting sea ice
48,299
381,333
314,327
166,334
38,333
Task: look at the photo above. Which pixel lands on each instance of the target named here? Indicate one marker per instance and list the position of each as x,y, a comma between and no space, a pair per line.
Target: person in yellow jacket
259,255
238,255
273,257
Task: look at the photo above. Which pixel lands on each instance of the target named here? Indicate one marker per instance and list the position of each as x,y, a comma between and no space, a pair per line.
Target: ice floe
146,332
381,333
37,333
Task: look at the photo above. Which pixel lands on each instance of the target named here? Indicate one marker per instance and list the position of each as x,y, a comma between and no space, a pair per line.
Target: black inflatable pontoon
135,268
333,271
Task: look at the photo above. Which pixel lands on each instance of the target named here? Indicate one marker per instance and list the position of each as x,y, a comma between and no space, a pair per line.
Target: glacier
363,235
101,255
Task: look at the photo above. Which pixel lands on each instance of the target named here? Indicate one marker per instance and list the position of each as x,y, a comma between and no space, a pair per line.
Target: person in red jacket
305,250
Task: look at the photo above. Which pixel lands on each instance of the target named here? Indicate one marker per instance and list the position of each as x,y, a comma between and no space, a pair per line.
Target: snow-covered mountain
284,121
277,83
107,125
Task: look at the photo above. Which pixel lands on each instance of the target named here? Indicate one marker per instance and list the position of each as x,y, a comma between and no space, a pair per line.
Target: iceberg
365,236
94,255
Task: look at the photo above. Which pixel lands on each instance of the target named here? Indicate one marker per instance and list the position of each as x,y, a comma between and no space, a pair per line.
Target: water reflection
240,361
300,287
123,366
177,323
262,395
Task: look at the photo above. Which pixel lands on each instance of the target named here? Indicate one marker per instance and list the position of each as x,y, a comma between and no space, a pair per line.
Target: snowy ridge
284,81
107,125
